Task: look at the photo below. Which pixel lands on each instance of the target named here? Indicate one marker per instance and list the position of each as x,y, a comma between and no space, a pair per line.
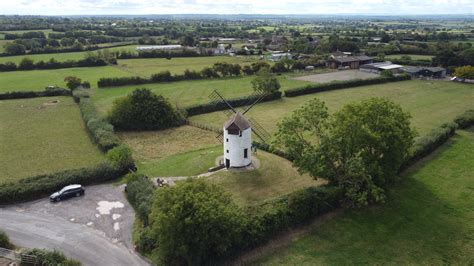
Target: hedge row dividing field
430,103
41,136
427,220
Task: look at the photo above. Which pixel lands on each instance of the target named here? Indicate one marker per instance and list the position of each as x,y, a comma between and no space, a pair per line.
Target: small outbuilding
381,66
279,56
426,72
348,62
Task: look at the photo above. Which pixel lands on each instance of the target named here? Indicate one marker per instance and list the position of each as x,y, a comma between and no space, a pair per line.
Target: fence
18,257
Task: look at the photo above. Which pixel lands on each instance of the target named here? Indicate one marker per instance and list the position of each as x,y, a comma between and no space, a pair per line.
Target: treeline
29,64
335,85
218,70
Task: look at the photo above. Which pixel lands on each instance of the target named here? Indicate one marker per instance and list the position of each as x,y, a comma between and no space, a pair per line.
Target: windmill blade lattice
259,131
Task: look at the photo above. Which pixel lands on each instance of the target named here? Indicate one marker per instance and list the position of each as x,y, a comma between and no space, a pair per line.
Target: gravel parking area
338,75
103,208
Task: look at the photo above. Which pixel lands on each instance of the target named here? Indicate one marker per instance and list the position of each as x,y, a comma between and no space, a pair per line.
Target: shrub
46,257
315,88
5,241
102,132
140,191
427,144
235,102
72,82
465,120
144,110
120,157
465,72
38,186
32,94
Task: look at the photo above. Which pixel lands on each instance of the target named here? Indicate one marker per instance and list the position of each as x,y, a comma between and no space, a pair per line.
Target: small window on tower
240,133
227,140
246,153
227,151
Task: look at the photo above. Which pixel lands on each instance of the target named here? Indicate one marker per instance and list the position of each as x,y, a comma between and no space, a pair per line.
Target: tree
265,82
72,82
465,72
360,148
26,64
194,222
143,110
120,157
15,48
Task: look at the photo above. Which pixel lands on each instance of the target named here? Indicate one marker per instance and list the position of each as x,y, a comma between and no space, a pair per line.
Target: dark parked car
67,192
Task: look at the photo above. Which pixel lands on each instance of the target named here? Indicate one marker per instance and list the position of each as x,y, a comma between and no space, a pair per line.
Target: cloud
70,7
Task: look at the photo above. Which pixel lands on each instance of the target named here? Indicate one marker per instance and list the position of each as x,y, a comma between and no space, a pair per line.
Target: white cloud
68,7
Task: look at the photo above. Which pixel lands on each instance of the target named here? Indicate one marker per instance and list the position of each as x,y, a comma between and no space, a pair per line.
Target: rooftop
238,120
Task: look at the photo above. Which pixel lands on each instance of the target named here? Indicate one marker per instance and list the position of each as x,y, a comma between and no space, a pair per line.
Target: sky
142,7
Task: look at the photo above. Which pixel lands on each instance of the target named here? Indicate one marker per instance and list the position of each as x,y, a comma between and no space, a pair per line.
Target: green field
60,56
431,103
185,93
275,177
39,137
2,44
427,220
147,67
413,56
37,80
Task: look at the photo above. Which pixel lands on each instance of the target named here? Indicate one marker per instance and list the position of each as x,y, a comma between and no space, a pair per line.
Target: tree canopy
143,110
265,81
359,148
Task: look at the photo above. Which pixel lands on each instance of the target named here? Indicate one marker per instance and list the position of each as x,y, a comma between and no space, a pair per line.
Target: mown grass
427,220
430,103
39,137
275,177
147,67
37,80
185,93
60,56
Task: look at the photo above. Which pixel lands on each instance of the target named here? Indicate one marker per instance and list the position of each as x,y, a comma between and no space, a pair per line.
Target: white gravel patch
90,223
106,206
115,216
116,227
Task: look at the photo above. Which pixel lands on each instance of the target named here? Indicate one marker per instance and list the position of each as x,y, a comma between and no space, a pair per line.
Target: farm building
278,56
425,72
237,142
379,67
159,47
348,62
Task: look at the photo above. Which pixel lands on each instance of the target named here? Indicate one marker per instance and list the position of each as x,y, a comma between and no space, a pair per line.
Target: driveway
95,229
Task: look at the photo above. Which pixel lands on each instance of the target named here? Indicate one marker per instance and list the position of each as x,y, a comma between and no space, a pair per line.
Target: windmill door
227,163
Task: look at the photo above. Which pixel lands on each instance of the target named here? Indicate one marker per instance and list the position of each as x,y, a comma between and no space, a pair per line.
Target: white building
278,56
159,47
237,142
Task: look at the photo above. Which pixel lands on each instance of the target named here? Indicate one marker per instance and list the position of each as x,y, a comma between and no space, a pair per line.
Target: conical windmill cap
239,121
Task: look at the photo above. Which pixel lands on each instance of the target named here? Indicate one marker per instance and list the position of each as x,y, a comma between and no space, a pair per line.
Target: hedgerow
48,92
46,257
465,120
235,102
315,88
37,186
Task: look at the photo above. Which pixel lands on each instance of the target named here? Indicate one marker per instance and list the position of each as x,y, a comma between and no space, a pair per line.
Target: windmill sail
259,131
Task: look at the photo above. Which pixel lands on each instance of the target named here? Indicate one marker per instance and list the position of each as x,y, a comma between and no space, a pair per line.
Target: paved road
74,240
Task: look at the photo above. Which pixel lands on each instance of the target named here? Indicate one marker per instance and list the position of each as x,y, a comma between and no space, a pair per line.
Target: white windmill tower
237,131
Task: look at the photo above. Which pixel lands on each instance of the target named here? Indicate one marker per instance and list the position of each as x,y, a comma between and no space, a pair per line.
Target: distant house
278,56
425,72
379,67
159,47
348,62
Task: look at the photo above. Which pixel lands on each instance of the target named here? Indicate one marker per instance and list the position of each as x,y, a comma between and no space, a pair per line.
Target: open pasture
430,103
59,56
185,93
37,80
426,220
39,136
337,76
413,56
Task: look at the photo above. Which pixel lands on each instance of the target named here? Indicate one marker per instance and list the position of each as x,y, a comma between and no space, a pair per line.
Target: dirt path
284,239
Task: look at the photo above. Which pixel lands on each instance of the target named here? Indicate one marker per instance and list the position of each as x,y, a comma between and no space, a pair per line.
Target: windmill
237,131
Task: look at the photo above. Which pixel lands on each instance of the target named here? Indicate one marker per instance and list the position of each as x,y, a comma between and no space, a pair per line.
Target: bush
120,157
144,110
5,241
46,257
140,191
235,102
102,132
315,88
72,82
465,120
427,144
38,186
32,94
